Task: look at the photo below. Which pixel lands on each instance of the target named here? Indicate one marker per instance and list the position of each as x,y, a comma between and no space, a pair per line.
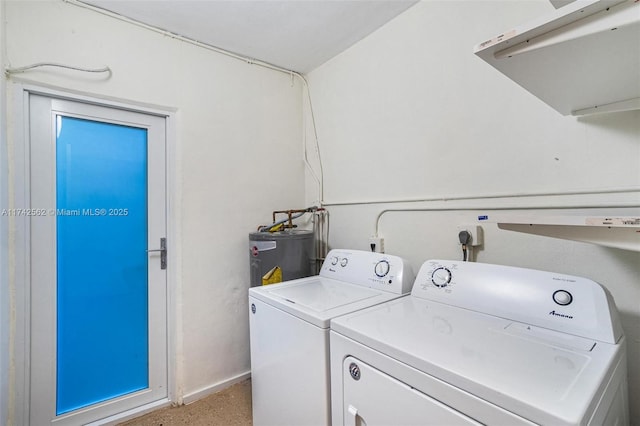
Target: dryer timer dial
382,268
441,277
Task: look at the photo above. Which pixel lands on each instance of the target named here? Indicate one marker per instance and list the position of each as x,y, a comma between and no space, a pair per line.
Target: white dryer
289,329
482,344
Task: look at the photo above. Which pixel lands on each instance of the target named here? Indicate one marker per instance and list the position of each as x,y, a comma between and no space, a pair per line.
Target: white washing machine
482,344
289,324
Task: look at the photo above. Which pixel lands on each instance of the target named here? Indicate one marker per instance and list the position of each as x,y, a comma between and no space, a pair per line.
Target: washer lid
318,299
545,376
321,296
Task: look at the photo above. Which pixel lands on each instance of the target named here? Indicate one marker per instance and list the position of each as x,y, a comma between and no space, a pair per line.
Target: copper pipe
289,213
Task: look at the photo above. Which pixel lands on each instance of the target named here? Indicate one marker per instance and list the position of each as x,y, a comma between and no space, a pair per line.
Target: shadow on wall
625,123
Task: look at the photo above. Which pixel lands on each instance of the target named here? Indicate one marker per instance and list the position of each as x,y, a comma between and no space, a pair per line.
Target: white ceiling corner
298,35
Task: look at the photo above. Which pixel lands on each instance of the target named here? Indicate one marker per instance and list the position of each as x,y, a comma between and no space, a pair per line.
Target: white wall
4,270
408,112
238,157
411,113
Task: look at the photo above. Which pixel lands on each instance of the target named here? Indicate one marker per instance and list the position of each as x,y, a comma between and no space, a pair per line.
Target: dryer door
372,398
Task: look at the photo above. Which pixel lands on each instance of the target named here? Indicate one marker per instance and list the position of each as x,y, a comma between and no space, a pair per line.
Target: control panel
375,270
565,303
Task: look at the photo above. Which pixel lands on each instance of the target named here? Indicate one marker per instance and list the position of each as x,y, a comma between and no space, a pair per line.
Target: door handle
163,253
354,418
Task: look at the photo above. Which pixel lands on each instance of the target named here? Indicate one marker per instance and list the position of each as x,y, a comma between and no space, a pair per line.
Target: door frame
20,286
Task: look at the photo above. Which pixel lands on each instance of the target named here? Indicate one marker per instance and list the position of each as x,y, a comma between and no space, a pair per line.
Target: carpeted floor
230,407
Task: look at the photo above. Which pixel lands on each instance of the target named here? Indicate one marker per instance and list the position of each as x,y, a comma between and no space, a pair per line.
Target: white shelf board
582,58
622,232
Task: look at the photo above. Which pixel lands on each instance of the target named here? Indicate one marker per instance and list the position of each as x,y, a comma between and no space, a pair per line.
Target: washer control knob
382,268
334,260
344,262
562,297
441,277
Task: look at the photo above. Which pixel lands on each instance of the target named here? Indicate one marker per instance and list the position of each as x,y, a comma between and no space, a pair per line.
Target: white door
98,280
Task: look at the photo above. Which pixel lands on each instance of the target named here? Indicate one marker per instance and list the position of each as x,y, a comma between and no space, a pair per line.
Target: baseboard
216,387
165,402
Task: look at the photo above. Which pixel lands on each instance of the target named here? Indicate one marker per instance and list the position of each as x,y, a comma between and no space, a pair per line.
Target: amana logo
556,314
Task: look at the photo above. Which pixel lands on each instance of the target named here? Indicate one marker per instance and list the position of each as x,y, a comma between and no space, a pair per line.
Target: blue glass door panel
102,298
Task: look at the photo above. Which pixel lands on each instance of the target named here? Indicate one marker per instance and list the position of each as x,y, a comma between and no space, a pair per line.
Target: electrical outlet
476,233
376,244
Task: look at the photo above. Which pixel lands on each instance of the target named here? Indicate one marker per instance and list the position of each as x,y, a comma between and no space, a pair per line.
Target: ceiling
298,35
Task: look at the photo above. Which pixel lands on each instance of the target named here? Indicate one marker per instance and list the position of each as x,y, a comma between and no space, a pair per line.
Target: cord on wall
55,64
319,179
465,240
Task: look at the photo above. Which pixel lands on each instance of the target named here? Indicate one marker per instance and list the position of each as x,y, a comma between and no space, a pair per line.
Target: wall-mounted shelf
582,58
621,232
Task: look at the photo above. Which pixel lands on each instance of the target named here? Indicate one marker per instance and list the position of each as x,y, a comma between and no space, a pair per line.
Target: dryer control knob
441,277
334,260
562,297
382,268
